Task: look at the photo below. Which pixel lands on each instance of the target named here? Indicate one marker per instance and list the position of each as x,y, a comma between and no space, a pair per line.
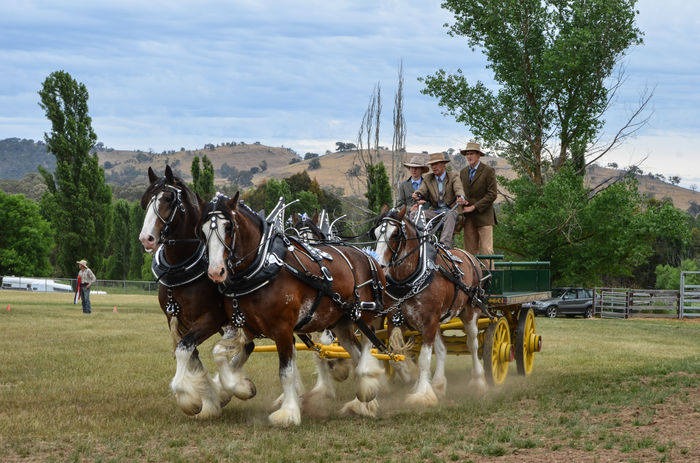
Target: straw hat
437,157
472,146
82,262
417,161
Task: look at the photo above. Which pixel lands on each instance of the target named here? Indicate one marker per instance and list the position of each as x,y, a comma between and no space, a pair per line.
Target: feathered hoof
439,387
357,408
190,404
477,385
245,389
224,395
340,369
209,410
285,417
425,399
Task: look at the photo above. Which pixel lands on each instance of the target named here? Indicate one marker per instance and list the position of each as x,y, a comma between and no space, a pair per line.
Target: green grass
77,387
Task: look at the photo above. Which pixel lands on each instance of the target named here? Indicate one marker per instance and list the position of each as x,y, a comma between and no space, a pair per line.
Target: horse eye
228,227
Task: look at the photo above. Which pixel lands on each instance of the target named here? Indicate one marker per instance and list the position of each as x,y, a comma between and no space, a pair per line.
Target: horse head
171,209
308,228
390,233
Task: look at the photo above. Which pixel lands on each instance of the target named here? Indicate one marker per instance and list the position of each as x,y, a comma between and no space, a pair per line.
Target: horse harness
182,273
270,260
423,275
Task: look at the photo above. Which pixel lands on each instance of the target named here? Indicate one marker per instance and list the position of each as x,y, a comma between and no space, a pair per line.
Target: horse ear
295,217
152,177
233,202
315,217
402,212
385,209
169,174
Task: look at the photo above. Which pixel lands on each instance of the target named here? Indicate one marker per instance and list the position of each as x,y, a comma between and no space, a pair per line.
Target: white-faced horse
192,304
428,285
278,286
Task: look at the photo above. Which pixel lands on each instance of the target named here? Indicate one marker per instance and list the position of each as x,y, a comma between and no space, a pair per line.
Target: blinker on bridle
402,235
177,205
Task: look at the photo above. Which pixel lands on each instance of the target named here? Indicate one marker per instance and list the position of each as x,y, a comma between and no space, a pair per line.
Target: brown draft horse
192,304
279,286
428,286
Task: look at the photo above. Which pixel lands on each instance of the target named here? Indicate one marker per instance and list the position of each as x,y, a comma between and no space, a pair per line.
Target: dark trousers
85,298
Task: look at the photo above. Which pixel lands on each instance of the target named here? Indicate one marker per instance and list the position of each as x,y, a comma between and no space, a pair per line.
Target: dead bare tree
368,137
398,145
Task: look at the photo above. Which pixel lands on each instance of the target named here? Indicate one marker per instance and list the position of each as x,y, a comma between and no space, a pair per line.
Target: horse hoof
356,407
285,417
426,399
440,388
245,390
340,369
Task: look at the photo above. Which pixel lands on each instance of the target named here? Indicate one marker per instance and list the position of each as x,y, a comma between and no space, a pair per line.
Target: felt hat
417,161
472,146
82,262
437,157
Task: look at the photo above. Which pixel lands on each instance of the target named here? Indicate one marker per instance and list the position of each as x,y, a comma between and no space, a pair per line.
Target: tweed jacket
453,188
481,192
403,195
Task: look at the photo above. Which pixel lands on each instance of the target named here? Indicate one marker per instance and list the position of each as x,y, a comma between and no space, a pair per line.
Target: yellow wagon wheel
526,342
497,352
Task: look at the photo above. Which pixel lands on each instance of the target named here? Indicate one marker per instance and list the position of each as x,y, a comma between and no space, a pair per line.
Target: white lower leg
289,412
439,382
423,393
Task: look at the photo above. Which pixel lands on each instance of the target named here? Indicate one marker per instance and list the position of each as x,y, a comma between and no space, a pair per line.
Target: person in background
85,279
417,167
481,189
443,190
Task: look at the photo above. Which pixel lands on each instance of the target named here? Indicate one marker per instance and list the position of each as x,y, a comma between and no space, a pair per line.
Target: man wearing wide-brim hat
417,167
481,189
443,190
85,279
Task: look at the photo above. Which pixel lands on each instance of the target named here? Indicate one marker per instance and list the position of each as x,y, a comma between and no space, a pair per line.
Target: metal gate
690,297
611,302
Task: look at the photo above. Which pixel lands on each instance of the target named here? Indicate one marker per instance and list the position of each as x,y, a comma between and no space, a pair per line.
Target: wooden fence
626,303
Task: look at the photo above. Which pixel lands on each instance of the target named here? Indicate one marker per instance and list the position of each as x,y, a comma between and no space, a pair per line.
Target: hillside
250,164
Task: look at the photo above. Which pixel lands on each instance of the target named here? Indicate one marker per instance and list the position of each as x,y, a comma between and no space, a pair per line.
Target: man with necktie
480,188
443,190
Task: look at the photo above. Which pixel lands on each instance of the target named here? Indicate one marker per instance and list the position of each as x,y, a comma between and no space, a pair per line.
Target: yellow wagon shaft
330,351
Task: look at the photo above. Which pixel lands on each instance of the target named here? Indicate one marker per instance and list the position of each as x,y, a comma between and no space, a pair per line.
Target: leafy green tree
308,202
553,62
120,243
669,277
275,189
78,201
26,239
136,261
588,239
203,178
378,187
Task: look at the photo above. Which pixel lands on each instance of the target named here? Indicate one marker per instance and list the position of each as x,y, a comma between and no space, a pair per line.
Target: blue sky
169,74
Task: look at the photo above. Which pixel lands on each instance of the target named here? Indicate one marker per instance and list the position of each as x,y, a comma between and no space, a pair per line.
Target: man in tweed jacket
480,188
443,190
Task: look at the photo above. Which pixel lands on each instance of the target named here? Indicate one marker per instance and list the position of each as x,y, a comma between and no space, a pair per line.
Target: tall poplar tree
78,200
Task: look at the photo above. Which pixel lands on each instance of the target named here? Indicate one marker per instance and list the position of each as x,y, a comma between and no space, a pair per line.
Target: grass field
77,387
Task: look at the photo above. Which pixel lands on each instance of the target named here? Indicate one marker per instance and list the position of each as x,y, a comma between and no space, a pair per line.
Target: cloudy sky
169,74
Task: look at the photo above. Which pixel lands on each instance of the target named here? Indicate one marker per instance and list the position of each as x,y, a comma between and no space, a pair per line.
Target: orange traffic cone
8,307
114,309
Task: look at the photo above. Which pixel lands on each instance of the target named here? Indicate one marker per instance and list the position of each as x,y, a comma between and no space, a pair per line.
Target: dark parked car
566,301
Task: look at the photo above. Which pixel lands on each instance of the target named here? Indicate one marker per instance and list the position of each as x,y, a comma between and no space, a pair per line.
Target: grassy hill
126,170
